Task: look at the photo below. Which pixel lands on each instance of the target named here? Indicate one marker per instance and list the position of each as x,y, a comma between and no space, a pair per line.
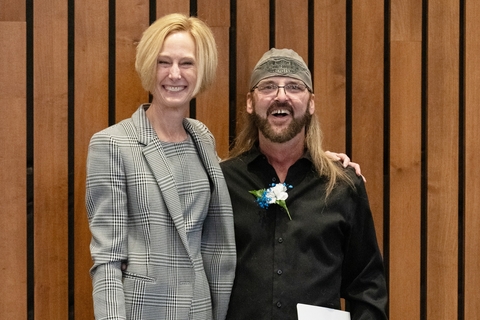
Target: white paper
309,312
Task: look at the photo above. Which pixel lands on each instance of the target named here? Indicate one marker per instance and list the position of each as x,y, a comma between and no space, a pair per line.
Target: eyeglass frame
284,88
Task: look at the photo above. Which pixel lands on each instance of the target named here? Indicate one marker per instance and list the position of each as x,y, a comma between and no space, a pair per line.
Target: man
303,226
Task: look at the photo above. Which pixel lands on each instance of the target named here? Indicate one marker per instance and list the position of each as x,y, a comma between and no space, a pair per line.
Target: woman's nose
174,72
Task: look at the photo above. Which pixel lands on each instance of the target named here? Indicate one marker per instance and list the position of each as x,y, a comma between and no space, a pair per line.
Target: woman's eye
162,62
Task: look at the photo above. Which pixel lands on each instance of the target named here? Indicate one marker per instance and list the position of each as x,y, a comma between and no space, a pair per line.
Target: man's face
281,114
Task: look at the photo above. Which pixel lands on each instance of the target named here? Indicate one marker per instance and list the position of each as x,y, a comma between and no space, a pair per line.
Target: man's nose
281,93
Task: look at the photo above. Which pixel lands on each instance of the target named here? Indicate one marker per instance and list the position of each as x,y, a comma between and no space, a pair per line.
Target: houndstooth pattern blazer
135,218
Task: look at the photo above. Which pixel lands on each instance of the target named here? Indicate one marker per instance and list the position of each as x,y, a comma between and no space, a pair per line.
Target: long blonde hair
324,165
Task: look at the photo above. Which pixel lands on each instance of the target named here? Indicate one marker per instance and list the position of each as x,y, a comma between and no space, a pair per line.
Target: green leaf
257,193
283,204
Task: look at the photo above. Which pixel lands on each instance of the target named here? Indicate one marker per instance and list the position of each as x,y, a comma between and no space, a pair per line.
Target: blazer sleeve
106,203
218,239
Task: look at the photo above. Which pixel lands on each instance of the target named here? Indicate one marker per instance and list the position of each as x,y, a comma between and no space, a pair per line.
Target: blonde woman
159,212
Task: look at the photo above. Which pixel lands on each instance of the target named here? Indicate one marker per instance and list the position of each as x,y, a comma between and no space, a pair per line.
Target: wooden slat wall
472,154
442,151
367,98
13,218
130,21
91,115
330,71
213,106
405,158
252,40
50,146
396,87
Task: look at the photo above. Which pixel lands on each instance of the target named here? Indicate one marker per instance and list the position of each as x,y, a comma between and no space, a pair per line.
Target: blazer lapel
205,148
157,161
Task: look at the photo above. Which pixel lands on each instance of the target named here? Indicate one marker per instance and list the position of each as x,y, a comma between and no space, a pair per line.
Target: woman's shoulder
196,125
118,128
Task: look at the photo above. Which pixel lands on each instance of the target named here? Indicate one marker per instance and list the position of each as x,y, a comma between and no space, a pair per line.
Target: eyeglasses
269,89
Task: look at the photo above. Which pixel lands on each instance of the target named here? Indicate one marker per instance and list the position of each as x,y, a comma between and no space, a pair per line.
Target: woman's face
176,71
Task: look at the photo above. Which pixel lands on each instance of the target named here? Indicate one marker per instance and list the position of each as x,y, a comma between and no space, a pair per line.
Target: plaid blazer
135,217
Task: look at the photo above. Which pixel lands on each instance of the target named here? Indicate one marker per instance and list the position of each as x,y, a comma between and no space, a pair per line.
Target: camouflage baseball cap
281,63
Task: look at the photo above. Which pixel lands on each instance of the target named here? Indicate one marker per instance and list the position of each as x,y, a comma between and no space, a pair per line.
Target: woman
159,212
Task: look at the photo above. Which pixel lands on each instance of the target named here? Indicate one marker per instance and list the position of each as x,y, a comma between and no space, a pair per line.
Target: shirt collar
254,153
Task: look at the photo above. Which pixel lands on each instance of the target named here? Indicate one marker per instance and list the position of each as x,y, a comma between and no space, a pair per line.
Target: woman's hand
345,162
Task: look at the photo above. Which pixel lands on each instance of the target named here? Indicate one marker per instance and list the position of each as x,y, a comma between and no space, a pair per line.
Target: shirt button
280,240
279,304
279,272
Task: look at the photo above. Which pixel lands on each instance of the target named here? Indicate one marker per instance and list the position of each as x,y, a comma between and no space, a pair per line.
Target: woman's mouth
174,88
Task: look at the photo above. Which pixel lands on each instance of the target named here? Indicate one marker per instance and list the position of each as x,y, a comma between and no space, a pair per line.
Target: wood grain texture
91,115
406,20
12,10
442,151
132,18
472,170
13,224
212,106
166,7
405,159
252,35
50,159
405,179
330,71
291,26
368,100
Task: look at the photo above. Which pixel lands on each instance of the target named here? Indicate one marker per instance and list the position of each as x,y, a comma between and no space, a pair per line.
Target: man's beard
294,128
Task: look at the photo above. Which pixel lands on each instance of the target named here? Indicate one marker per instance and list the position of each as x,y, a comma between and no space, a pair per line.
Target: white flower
277,192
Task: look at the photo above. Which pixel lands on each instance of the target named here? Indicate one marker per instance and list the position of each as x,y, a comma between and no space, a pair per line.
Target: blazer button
279,304
279,272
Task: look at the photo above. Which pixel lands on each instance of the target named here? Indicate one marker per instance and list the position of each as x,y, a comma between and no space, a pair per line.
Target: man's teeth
280,112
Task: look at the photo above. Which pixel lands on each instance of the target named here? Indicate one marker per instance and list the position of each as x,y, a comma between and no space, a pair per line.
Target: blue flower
276,194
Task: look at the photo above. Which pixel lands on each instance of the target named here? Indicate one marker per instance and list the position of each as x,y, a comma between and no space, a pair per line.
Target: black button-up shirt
327,251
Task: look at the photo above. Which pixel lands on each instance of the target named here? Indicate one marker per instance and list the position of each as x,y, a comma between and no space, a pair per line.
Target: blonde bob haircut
152,41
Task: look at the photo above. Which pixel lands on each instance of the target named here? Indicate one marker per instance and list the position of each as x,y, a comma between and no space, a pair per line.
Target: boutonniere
276,194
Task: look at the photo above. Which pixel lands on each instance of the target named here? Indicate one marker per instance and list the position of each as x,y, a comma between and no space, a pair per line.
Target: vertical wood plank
13,224
91,115
472,183
166,7
252,42
291,26
330,71
12,10
367,100
405,157
212,106
442,236
51,159
131,20
406,20
405,170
